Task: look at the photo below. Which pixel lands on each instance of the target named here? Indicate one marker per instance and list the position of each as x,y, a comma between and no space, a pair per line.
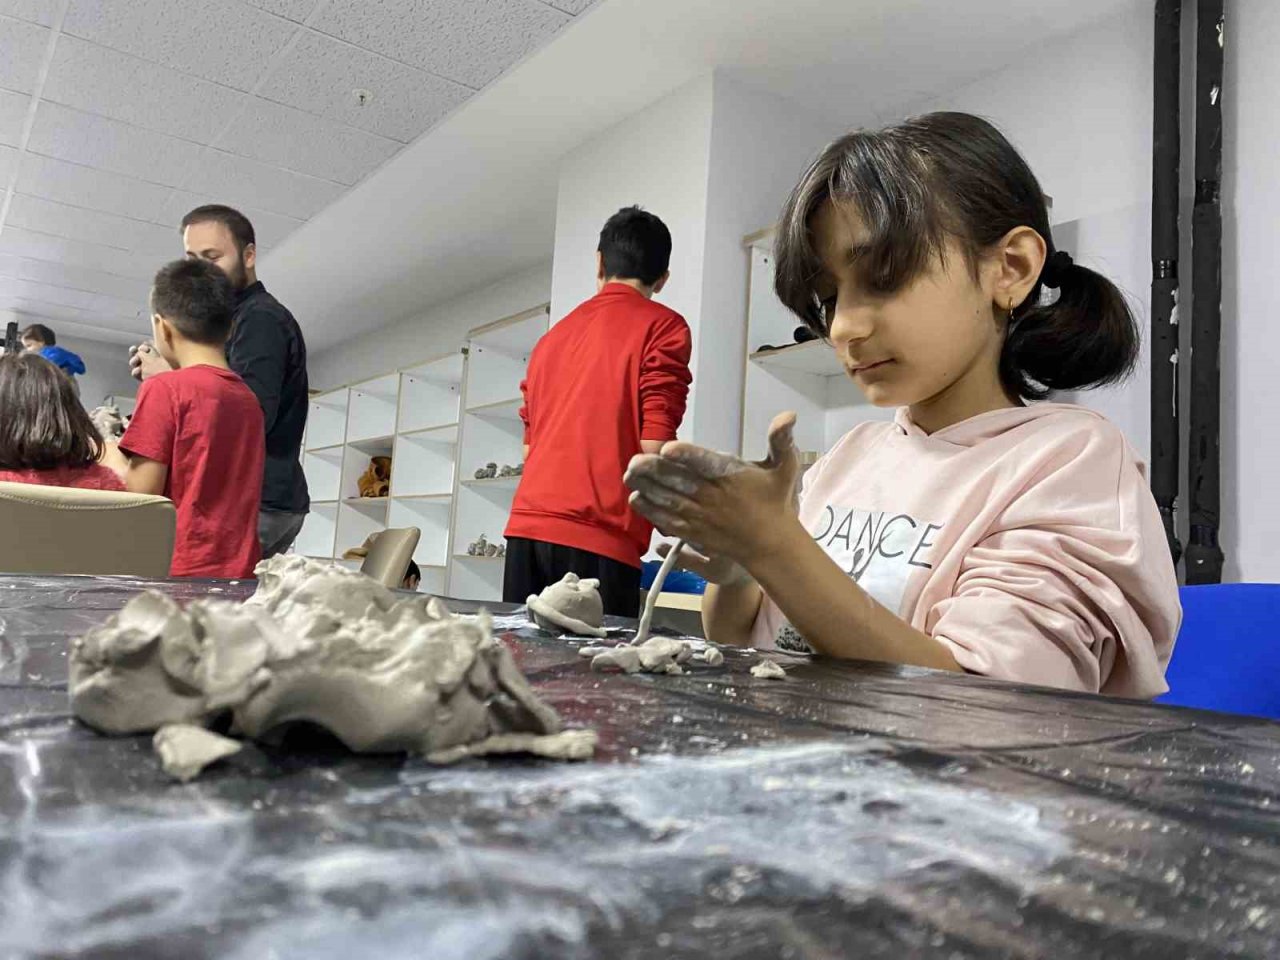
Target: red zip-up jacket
613,372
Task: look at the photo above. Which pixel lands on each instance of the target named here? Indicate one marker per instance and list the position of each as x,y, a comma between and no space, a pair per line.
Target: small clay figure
376,480
481,473
520,469
502,550
656,655
507,471
570,606
768,669
491,550
481,546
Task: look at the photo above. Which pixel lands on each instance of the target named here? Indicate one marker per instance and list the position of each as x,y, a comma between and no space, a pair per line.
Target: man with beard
268,353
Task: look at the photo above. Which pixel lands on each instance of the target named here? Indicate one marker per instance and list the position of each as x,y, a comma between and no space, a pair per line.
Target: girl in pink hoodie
979,531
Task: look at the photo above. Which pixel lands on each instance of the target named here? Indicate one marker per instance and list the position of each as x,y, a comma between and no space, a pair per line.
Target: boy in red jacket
607,382
197,433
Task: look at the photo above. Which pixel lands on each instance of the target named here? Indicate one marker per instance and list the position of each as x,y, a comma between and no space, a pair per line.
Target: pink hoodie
1026,540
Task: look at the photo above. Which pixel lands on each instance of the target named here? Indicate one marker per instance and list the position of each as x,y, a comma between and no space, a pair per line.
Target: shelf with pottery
806,377
439,420
491,433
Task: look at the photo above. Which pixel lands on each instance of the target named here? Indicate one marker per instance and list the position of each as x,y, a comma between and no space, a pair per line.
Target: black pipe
11,338
1166,156
1204,555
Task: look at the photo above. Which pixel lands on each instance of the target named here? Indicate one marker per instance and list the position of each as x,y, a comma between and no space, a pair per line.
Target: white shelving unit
439,421
491,432
807,377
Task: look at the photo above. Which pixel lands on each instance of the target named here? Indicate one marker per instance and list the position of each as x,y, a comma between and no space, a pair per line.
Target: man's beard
238,275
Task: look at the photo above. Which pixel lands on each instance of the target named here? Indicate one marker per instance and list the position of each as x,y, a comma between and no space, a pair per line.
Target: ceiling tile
296,10
303,143
92,141
13,111
240,181
229,43
94,189
8,157
41,246
21,50
320,74
269,228
123,87
34,11
76,278
470,42
574,7
93,226
64,296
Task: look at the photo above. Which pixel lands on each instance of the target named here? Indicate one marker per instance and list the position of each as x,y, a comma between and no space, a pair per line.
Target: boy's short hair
197,298
38,331
635,245
237,223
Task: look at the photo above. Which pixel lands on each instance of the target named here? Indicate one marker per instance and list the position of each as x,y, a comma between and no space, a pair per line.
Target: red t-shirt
613,372
93,476
206,425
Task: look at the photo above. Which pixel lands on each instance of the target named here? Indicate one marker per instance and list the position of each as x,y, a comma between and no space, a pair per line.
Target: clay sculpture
487,472
656,655
571,606
383,672
478,547
768,669
376,480
507,471
107,420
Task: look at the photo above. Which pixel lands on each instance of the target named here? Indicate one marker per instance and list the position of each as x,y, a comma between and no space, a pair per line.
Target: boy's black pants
533,565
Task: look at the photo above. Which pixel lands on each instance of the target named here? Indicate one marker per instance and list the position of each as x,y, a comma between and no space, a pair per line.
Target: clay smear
316,644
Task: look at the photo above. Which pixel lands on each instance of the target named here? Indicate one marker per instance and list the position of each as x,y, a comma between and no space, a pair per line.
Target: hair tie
1055,268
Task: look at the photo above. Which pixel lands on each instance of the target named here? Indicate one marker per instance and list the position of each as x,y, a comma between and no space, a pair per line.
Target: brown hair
954,176
237,223
38,331
42,423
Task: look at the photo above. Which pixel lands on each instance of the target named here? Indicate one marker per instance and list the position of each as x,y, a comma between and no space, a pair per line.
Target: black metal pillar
1204,555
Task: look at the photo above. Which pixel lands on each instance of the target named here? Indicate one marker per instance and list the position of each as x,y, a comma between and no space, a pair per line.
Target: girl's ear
1020,257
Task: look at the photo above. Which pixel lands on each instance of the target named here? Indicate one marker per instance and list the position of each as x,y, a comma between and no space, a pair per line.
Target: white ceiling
475,199
118,116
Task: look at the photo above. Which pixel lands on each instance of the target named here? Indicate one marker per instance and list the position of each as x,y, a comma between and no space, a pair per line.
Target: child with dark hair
608,381
196,434
40,339
45,435
978,532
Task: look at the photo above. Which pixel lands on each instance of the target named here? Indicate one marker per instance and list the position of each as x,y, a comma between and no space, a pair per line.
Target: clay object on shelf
477,547
491,550
502,550
487,472
376,480
571,606
383,672
507,471
519,469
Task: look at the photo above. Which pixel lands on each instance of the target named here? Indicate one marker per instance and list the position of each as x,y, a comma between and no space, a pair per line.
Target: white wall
437,331
657,159
760,145
1250,298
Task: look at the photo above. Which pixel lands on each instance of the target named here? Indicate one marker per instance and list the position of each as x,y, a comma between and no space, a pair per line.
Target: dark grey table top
850,810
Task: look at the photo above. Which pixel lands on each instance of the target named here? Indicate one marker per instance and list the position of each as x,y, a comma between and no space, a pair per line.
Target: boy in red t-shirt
607,382
197,433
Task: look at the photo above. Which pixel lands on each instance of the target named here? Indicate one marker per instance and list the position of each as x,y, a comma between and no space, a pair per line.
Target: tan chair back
66,530
389,556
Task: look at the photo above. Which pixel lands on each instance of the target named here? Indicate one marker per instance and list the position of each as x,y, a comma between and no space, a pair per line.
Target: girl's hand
729,507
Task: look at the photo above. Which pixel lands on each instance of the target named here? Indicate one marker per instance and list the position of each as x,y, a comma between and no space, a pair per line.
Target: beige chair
389,556
66,530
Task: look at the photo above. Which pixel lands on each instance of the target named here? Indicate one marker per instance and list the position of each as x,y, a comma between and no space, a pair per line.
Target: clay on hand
383,672
570,606
107,420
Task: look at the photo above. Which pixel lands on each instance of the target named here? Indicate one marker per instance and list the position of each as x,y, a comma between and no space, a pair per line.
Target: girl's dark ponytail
1085,338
